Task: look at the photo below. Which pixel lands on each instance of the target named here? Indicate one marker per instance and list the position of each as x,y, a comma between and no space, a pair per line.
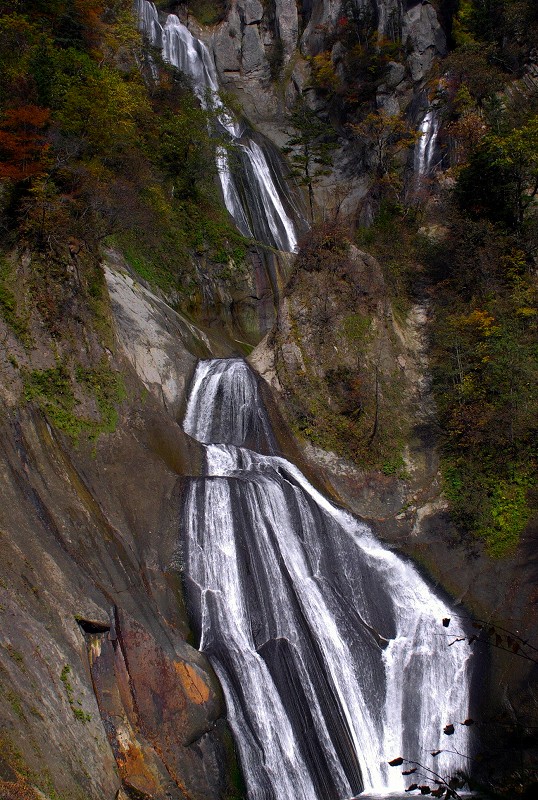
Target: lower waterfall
329,647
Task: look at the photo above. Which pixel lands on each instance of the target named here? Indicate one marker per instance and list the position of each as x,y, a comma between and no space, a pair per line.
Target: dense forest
95,152
484,276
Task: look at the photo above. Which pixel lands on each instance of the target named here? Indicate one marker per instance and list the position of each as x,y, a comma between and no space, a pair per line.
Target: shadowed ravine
327,644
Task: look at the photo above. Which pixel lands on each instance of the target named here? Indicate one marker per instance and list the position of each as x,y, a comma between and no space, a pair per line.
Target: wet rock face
157,709
99,688
97,683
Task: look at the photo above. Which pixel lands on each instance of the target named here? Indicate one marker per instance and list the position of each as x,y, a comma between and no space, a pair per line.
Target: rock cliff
100,687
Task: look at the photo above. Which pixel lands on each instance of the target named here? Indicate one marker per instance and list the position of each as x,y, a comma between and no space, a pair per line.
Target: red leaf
22,143
468,722
409,771
412,787
436,752
396,762
446,622
448,729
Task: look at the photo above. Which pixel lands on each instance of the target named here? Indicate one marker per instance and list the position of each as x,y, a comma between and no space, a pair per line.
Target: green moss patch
8,301
54,391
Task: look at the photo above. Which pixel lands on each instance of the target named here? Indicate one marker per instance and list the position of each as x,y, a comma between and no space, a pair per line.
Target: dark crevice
93,626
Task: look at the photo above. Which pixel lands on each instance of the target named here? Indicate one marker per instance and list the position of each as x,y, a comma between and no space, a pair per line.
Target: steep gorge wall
263,56
256,43
350,376
101,692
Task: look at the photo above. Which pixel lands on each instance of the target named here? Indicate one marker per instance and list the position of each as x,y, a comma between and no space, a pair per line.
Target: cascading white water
329,647
262,215
148,21
280,224
425,147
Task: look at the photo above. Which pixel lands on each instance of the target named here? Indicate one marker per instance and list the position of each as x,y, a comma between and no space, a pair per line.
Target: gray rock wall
100,691
262,55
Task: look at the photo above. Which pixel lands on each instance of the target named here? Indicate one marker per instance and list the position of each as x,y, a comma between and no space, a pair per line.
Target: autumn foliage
23,147
98,144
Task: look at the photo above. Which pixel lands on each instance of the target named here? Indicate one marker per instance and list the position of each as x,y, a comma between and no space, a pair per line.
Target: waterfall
329,647
425,147
259,211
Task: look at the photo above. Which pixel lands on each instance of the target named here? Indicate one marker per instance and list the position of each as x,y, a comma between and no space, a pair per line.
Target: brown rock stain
134,770
195,687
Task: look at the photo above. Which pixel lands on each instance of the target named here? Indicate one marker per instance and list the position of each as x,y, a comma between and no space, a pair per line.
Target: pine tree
310,148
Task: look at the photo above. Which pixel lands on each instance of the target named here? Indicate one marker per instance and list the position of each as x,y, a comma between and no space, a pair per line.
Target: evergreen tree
310,147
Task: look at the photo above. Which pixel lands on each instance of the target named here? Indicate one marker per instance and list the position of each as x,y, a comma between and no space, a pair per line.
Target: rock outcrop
264,60
423,36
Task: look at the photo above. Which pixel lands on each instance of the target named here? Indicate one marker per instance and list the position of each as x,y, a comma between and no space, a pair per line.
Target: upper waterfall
330,648
258,209
425,147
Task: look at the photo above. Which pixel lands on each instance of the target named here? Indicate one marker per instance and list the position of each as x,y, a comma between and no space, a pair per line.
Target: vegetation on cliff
95,149
336,354
467,242
484,276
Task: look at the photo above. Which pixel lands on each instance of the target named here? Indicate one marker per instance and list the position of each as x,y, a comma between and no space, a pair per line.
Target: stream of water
330,648
258,210
425,148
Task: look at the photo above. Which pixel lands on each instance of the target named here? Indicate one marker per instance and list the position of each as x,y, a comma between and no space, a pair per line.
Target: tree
309,147
473,66
517,154
185,150
96,104
510,27
324,75
22,142
501,179
383,136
